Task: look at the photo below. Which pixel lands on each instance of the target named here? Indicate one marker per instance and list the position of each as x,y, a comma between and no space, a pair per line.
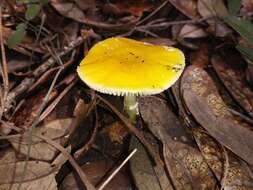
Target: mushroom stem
131,107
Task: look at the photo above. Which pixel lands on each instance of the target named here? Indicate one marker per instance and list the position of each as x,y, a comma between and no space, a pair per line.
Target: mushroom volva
130,68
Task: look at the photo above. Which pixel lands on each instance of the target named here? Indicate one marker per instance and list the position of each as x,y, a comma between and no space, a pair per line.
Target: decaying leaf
146,176
235,83
208,108
212,9
39,175
185,164
191,31
237,173
55,130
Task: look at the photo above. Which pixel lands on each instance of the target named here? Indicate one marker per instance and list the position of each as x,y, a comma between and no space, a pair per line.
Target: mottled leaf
208,108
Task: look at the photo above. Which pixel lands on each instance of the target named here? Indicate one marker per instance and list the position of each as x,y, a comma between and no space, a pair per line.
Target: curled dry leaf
189,7
235,83
204,102
247,7
55,130
237,173
186,166
191,31
146,176
214,8
39,175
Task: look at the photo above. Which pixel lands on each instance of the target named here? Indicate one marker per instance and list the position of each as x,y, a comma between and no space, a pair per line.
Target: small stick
3,68
117,170
29,81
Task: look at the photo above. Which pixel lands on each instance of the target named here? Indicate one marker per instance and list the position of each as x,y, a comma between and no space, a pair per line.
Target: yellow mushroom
126,67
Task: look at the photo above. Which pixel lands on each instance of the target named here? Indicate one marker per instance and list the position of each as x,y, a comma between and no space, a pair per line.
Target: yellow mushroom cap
122,66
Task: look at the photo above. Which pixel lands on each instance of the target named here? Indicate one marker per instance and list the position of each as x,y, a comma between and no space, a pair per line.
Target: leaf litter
196,135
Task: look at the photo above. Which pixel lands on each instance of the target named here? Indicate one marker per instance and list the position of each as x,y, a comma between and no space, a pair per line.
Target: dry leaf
191,31
55,130
186,166
237,176
208,108
39,175
146,176
235,83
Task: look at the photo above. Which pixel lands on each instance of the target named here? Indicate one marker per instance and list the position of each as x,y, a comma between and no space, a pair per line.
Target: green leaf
234,6
246,51
32,11
17,36
243,27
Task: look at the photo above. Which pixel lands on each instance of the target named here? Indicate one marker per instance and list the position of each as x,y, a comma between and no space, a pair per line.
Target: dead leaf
185,164
238,175
39,175
24,117
116,132
235,83
145,175
200,57
187,7
55,130
212,9
247,6
207,107
191,31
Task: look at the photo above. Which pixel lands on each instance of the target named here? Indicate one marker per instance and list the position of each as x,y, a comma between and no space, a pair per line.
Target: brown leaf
235,83
247,6
26,114
39,175
189,7
214,8
185,163
55,130
208,108
238,175
191,31
145,175
200,57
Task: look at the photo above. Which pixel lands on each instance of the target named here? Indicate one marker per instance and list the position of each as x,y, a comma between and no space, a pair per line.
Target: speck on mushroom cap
123,66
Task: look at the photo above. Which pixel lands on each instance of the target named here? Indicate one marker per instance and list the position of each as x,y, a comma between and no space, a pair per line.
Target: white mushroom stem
131,107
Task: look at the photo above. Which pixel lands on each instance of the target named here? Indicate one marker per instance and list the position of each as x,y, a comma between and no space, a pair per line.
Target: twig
135,131
72,161
34,124
226,169
153,13
86,147
4,68
27,82
117,170
56,101
244,117
167,24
